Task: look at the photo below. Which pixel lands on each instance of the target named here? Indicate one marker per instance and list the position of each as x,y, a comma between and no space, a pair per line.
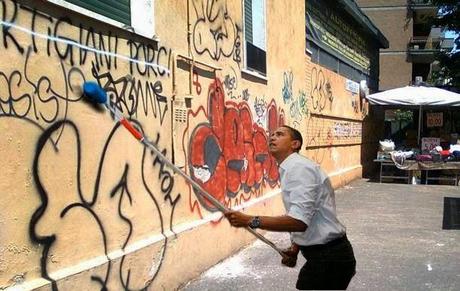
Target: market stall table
411,165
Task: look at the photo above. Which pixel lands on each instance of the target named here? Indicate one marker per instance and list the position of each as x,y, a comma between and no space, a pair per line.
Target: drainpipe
173,98
190,53
174,84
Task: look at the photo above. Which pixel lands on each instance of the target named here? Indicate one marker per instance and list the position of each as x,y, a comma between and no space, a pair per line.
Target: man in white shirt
310,217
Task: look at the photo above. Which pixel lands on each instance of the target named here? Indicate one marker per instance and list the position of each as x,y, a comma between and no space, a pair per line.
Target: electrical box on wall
180,107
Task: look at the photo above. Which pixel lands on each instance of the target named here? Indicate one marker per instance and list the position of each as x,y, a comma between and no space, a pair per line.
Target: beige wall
333,127
395,21
395,25
84,205
395,71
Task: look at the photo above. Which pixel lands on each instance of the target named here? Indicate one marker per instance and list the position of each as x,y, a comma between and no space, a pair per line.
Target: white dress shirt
308,196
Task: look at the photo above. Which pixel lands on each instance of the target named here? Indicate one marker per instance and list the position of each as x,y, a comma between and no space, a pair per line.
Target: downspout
174,83
190,53
173,98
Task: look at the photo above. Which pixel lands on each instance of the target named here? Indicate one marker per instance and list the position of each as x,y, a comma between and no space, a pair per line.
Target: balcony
422,49
423,7
421,3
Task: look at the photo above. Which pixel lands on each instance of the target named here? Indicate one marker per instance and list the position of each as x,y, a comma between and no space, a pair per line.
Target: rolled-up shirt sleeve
302,186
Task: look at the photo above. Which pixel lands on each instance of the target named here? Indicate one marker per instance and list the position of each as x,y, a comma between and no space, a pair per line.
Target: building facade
413,41
86,206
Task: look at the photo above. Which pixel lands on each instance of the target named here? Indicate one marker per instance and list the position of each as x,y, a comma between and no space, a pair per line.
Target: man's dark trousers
329,267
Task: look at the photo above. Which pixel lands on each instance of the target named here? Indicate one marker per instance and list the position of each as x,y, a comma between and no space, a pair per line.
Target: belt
331,243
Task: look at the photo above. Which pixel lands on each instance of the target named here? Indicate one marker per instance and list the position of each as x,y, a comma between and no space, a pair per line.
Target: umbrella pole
420,120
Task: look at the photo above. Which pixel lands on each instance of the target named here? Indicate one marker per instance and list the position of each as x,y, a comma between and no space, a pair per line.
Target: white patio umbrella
415,96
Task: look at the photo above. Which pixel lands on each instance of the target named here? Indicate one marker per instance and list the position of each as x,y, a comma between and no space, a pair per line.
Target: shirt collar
287,161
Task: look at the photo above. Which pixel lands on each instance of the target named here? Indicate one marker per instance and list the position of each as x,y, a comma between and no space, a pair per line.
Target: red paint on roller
131,129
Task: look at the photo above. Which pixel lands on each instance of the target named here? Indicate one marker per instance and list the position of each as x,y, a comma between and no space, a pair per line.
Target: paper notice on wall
429,143
142,17
434,119
352,86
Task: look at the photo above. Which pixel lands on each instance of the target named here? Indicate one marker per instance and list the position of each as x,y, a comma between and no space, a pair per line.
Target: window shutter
118,10
248,20
254,35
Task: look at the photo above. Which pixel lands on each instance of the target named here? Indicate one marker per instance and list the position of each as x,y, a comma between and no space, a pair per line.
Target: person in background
310,217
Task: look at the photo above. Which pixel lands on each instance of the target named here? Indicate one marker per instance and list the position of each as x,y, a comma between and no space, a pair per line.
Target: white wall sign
352,86
429,143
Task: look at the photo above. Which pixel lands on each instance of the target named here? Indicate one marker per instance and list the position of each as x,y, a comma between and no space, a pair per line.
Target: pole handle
131,129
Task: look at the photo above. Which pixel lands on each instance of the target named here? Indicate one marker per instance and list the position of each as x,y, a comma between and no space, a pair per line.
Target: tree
448,18
448,14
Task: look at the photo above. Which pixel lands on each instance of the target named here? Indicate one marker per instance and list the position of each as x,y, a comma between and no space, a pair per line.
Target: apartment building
413,42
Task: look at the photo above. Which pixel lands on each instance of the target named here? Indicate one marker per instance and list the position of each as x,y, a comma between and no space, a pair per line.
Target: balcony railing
424,44
421,3
422,49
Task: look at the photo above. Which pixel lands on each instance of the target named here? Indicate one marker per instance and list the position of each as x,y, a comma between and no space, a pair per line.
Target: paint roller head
95,92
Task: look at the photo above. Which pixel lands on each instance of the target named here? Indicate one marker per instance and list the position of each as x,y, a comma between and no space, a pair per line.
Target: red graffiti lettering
229,153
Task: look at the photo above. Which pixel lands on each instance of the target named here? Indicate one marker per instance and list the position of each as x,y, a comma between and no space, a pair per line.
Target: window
254,35
118,10
135,15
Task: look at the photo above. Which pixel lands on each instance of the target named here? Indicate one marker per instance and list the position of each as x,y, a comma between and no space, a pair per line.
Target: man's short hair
295,135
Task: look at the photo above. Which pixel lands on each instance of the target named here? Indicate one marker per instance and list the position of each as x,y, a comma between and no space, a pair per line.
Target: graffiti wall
228,151
84,204
334,127
77,187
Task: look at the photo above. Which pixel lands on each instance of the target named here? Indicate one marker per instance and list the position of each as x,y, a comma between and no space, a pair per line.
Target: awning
415,96
419,96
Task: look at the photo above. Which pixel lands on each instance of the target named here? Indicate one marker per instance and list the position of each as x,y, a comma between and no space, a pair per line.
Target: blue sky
452,34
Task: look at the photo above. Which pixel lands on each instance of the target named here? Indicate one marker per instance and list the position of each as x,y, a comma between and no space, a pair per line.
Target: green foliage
449,62
404,115
449,70
449,14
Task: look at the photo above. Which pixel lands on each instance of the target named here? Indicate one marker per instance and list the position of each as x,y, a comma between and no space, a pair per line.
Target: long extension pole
98,95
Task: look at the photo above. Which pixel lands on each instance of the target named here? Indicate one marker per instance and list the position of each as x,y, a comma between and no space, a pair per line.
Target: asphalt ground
397,236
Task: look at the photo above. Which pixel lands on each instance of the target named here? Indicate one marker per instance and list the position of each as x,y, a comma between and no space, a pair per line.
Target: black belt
331,243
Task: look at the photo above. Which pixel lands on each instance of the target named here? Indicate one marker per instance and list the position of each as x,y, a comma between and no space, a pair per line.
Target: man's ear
295,144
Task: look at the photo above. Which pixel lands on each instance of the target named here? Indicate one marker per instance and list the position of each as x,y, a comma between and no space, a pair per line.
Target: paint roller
98,95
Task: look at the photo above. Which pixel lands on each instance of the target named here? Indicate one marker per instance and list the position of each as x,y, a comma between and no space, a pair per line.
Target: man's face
281,143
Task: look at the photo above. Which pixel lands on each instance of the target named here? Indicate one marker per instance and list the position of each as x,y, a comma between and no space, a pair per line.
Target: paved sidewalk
396,232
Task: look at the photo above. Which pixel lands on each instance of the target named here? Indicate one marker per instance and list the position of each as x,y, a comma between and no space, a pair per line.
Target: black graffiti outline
6,29
313,142
206,17
231,83
33,97
132,90
151,55
321,90
48,240
87,38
